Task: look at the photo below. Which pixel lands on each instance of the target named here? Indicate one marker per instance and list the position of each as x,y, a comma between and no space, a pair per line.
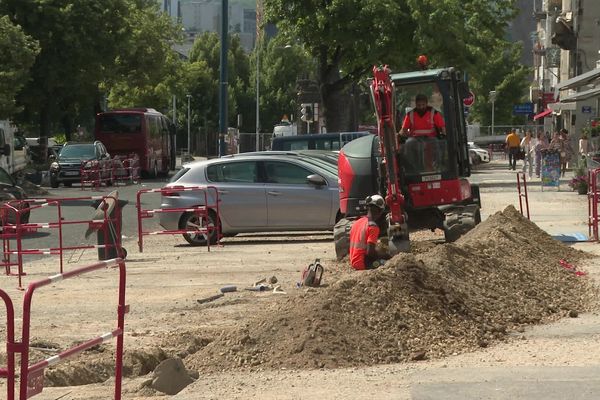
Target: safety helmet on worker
375,200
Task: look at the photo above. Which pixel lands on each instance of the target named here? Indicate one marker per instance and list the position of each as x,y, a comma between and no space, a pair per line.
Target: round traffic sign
469,100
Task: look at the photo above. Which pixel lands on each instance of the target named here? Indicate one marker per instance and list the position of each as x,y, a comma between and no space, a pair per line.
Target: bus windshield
120,123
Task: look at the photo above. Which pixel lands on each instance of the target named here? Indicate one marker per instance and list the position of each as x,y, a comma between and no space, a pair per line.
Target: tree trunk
336,101
67,126
44,131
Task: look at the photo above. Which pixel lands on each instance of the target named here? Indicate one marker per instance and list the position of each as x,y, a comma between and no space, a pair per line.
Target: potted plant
579,182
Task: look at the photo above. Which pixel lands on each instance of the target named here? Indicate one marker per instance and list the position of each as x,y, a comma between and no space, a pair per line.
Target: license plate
71,173
429,178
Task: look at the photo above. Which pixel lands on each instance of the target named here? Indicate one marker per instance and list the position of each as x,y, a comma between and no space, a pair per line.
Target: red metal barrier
209,194
523,193
32,376
126,170
11,346
15,230
593,199
94,173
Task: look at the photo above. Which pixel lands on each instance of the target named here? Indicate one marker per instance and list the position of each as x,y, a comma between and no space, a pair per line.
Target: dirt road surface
555,360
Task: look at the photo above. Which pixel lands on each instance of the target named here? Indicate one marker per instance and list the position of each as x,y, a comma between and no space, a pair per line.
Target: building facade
565,52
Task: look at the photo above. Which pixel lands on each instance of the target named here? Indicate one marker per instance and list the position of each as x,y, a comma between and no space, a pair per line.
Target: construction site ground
535,338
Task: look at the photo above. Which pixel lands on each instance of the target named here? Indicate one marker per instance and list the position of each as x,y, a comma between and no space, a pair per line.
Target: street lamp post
493,99
189,96
257,94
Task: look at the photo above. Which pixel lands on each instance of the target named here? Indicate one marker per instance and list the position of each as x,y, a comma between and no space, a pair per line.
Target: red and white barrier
208,199
94,173
16,230
126,169
593,200
523,197
32,376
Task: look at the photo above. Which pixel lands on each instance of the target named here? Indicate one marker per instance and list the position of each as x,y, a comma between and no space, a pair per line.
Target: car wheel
477,159
192,221
54,183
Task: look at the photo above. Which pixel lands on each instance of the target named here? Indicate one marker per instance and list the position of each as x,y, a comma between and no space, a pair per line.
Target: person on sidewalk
513,144
541,144
527,148
364,234
561,143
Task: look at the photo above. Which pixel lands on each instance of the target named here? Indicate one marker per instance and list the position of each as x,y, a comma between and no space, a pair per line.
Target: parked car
477,154
10,191
258,193
66,168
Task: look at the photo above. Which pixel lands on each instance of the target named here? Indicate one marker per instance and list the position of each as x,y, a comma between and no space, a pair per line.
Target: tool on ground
258,288
311,276
228,289
210,298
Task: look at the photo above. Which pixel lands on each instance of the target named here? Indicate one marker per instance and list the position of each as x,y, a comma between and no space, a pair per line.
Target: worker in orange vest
423,120
422,125
364,234
513,145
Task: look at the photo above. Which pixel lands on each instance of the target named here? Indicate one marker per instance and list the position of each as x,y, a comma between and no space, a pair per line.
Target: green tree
79,43
347,37
147,71
18,51
282,65
205,62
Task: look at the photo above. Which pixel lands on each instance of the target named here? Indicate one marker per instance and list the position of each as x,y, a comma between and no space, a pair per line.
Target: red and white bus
141,131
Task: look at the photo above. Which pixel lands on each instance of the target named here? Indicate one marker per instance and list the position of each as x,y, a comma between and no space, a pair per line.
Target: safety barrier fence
593,199
206,211
495,149
14,229
126,170
94,173
31,380
523,197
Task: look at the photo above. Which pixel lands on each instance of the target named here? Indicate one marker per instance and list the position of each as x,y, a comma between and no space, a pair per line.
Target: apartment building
565,54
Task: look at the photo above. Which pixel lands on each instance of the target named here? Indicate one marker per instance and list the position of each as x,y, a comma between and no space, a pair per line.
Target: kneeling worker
364,234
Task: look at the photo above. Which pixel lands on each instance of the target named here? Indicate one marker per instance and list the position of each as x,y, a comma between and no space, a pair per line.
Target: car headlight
54,166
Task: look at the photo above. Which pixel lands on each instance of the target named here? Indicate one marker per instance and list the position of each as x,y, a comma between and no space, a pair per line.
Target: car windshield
81,151
120,123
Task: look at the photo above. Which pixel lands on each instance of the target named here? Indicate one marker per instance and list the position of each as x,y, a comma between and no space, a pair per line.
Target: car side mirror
316,180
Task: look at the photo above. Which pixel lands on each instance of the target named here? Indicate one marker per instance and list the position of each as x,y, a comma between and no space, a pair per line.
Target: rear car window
179,174
233,172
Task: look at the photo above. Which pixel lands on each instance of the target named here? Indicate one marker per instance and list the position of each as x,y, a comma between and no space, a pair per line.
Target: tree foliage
347,37
17,52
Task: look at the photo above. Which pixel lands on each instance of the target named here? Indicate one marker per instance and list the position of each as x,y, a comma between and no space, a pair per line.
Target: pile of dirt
454,298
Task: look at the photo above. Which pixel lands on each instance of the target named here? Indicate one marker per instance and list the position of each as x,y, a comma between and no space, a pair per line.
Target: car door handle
274,193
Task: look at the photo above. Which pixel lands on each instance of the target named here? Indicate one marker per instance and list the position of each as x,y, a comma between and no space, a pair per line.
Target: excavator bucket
397,245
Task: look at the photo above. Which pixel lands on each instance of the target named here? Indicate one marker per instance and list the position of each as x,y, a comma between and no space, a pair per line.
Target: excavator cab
423,178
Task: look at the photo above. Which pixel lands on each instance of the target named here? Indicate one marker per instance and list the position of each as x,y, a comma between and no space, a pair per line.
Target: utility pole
223,75
189,150
493,99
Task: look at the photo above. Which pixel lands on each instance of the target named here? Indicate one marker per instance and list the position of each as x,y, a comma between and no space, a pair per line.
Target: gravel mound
501,276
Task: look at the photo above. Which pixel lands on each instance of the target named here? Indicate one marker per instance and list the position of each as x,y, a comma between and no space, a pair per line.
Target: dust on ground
441,299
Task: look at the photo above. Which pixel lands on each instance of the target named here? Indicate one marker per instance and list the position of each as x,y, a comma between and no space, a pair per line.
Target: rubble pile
501,276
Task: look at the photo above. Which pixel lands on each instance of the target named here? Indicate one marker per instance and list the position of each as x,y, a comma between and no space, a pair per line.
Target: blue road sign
523,108
586,109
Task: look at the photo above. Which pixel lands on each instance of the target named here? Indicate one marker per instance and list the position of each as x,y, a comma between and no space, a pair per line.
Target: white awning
579,80
586,94
558,107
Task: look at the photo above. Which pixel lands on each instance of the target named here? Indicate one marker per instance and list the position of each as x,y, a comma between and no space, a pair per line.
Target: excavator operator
423,120
423,124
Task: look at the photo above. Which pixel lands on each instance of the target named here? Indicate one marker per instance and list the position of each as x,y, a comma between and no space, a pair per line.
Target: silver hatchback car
258,193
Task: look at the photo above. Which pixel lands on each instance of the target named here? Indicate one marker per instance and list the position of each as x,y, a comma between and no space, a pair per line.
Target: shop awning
543,114
586,94
579,80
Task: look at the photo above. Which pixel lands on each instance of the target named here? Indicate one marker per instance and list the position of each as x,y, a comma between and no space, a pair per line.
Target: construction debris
446,299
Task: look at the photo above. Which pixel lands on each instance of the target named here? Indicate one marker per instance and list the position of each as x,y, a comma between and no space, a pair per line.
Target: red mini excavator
422,178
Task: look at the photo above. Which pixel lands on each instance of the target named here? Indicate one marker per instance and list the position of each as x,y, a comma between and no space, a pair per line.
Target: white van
14,151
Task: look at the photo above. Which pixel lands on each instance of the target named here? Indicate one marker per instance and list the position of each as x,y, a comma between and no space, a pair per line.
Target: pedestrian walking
541,143
527,148
513,144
